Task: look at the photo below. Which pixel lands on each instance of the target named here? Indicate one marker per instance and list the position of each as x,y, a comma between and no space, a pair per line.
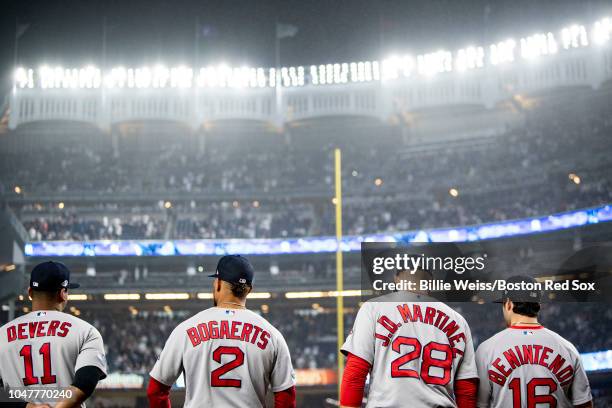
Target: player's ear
508,305
30,292
63,295
217,284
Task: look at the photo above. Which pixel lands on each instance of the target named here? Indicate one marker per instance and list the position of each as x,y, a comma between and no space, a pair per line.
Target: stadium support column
279,112
595,66
115,141
201,135
406,132
104,111
339,265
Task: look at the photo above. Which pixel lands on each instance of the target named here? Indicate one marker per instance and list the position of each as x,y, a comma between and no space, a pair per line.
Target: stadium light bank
472,57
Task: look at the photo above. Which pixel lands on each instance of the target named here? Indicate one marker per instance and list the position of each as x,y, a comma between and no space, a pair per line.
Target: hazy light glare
435,63
602,31
502,52
469,58
121,296
538,45
574,36
390,68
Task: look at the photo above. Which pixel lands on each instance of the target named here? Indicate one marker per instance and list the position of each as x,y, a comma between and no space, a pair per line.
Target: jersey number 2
45,352
215,375
427,362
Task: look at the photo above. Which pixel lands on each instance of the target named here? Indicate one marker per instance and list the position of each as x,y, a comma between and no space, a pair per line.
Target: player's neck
232,303
519,320
39,306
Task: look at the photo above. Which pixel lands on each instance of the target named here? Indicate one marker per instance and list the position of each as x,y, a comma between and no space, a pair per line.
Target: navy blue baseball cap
234,269
51,276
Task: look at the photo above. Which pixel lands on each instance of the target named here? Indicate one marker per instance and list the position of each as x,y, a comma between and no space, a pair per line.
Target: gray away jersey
417,347
524,366
44,349
229,358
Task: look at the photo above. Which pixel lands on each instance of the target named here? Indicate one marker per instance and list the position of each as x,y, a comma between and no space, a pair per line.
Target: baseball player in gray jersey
527,365
418,352
230,356
47,349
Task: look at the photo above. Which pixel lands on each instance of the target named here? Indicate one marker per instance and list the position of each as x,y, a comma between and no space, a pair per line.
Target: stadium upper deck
160,181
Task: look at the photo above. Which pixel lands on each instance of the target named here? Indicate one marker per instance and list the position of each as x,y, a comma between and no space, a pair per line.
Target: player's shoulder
562,341
6,325
76,327
76,322
388,301
196,319
392,300
216,313
493,341
261,321
456,314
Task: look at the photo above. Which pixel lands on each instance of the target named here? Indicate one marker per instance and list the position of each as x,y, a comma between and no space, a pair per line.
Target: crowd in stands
249,220
272,185
72,227
294,218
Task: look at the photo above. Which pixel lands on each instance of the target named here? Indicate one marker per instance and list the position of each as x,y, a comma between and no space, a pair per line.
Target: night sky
70,32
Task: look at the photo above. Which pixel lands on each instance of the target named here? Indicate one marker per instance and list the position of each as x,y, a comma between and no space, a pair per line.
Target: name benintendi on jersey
506,362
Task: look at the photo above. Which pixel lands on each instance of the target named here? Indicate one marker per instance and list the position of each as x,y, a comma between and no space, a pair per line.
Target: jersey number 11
45,352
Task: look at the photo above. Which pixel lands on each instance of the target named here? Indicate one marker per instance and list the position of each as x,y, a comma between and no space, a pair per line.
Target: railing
310,245
17,225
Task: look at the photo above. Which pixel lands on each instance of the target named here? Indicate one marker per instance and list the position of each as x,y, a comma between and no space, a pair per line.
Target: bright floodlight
89,77
395,67
435,62
181,77
117,78
537,45
143,77
224,76
469,58
502,52
602,31
24,78
574,36
161,75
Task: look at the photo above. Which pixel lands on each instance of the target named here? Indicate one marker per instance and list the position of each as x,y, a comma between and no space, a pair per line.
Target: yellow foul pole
339,266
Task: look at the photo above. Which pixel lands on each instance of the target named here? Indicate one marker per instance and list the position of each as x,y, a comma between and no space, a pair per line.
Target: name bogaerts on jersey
533,354
31,330
236,330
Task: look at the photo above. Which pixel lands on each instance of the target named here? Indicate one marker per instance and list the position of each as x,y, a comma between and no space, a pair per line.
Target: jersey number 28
428,360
